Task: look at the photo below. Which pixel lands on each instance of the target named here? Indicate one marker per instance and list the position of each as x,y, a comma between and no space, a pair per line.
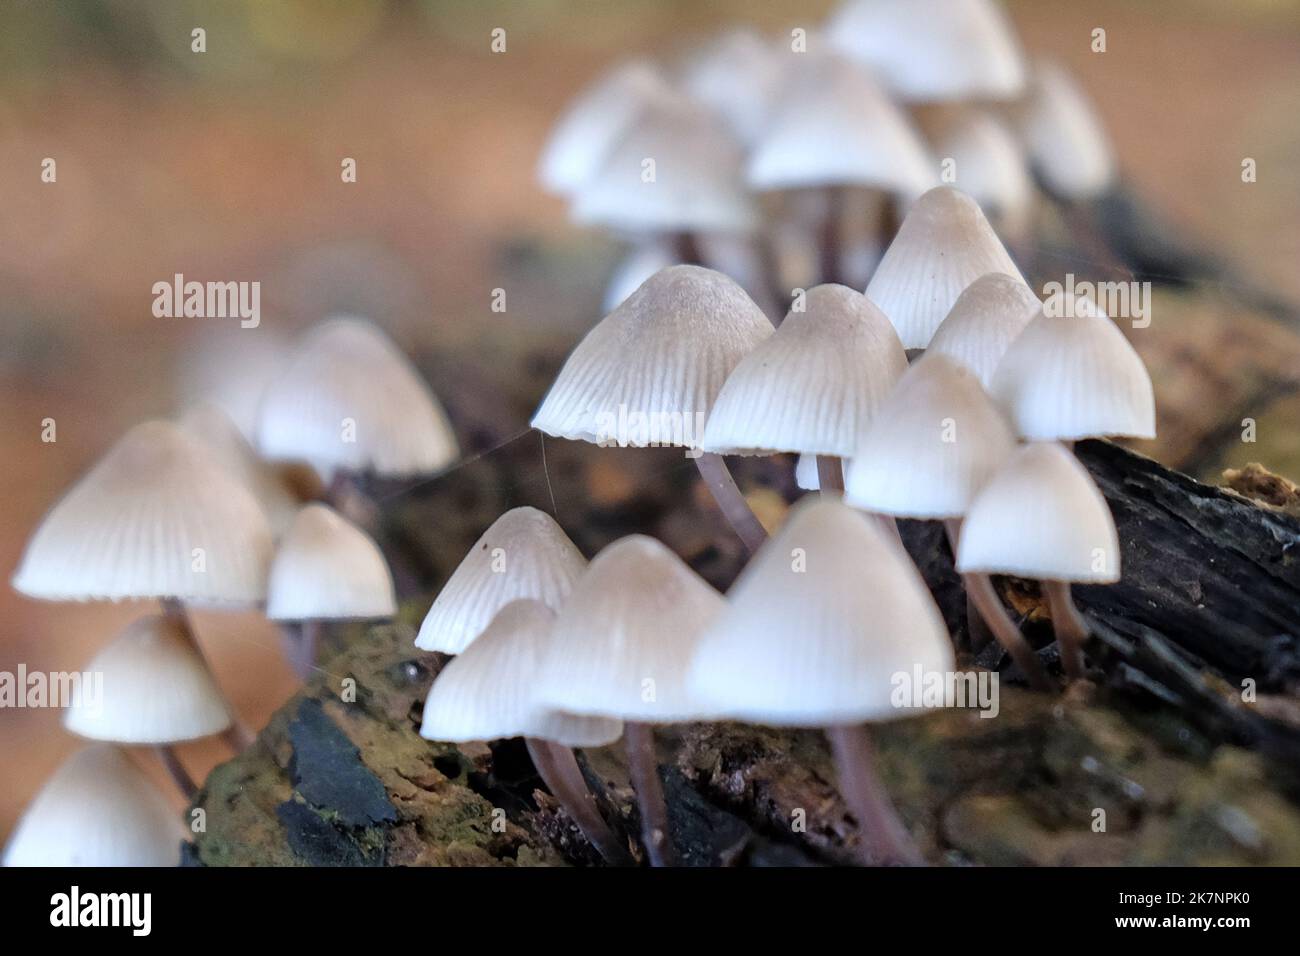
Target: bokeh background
225,165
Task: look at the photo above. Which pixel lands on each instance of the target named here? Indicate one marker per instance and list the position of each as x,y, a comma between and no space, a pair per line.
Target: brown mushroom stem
885,841
558,767
643,769
238,736
979,587
176,770
687,247
1071,629
830,475
734,508
829,248
977,632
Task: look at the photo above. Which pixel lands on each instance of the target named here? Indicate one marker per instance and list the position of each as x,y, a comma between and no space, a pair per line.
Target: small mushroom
524,554
990,166
97,810
620,650
325,569
1041,516
736,74
813,632
984,321
1068,148
488,692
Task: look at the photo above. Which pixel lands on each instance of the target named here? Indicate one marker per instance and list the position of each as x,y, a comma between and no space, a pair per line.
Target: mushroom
97,809
736,74
1041,516
620,649
326,569
1072,374
524,554
156,518
927,51
813,632
833,131
650,371
157,690
989,165
812,386
933,444
943,245
984,321
489,692
1068,148
350,402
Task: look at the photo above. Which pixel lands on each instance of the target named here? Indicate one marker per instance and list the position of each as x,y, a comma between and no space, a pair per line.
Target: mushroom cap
643,261
697,183
736,74
97,809
211,426
1041,516
594,121
524,554
351,400
990,166
817,625
943,245
660,357
624,639
328,569
833,126
984,321
1075,375
933,444
489,691
1065,139
156,517
157,689
814,384
805,473
932,50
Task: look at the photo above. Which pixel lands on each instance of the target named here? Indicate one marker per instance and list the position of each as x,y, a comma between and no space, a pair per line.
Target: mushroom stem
176,770
830,474
977,632
688,249
559,770
884,838
734,508
979,587
643,768
829,247
1071,629
238,735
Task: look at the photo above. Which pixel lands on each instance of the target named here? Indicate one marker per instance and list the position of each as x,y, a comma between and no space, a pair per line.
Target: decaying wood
1158,760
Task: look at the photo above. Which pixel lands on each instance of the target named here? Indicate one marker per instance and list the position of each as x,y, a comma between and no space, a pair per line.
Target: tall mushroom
157,691
1041,516
489,692
984,321
620,649
524,554
156,518
650,371
326,569
813,633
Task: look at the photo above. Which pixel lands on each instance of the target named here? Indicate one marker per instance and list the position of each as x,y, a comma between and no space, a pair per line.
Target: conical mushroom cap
489,691
328,569
625,637
1041,516
594,121
814,384
524,554
990,166
1074,375
833,126
649,372
984,321
697,183
1065,139
156,517
933,50
212,427
736,75
943,245
97,809
351,400
157,689
932,445
817,625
